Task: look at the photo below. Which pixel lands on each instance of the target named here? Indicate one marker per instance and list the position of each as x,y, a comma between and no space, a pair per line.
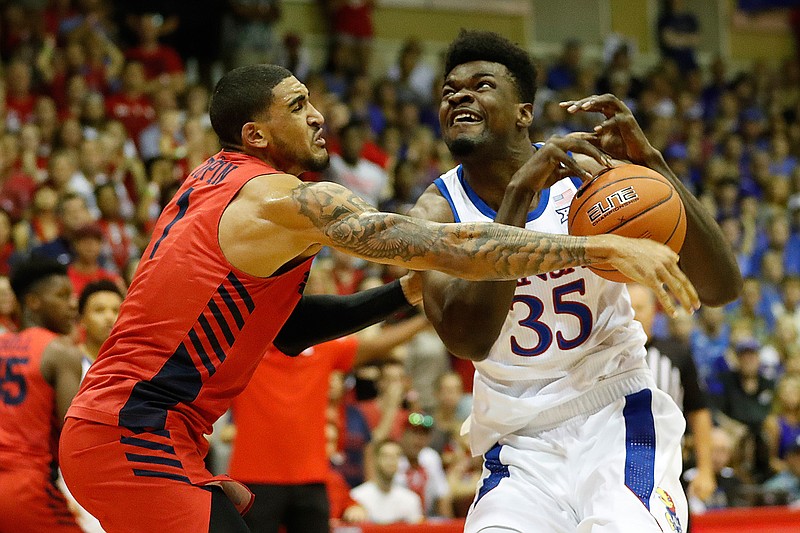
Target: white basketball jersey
569,344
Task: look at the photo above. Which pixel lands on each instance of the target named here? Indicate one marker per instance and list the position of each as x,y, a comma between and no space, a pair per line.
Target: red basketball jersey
193,328
27,402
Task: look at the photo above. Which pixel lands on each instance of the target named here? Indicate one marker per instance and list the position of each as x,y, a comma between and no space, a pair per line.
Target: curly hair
474,45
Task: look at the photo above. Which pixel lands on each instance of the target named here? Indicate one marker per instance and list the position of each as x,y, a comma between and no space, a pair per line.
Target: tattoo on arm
487,250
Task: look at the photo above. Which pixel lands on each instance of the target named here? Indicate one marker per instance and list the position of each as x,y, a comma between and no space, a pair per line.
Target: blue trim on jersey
497,471
544,199
576,182
443,190
640,445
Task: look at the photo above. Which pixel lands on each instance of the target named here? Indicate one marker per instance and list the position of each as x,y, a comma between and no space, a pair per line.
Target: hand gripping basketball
631,201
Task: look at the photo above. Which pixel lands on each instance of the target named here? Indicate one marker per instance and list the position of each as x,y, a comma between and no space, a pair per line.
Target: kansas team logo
672,514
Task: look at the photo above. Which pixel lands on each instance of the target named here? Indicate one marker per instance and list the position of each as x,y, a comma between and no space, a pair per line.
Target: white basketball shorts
614,471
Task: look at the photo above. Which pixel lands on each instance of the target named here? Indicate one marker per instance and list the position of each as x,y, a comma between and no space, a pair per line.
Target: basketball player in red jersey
39,375
225,269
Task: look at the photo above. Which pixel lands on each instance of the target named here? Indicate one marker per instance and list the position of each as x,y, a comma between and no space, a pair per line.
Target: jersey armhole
446,194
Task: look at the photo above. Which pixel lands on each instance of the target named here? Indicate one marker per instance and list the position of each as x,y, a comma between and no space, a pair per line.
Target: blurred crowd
103,111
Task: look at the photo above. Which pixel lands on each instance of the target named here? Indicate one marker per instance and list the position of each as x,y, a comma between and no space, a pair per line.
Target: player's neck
384,482
91,349
489,175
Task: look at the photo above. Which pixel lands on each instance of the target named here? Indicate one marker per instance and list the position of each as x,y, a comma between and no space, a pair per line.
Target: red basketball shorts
134,482
31,503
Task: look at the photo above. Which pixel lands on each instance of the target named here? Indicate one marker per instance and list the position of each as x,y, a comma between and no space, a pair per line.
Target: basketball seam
677,222
624,222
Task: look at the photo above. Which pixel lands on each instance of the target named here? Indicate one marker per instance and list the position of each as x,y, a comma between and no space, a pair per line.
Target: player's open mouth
318,139
465,116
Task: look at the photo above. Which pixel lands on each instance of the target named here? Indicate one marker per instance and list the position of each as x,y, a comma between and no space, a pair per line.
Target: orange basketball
632,201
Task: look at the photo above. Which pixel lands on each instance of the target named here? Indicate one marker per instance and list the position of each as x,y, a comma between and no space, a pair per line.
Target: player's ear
524,115
254,135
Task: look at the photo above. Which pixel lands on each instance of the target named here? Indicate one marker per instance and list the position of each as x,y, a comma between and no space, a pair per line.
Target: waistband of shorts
602,394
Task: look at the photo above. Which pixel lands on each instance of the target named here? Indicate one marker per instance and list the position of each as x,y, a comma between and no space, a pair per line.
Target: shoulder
409,496
265,196
428,457
60,355
365,489
431,205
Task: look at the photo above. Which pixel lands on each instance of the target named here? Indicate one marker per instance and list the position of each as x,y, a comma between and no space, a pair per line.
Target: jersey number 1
536,308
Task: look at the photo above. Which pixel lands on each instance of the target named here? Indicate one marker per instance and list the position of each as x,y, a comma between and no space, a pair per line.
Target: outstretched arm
620,136
294,218
322,317
479,251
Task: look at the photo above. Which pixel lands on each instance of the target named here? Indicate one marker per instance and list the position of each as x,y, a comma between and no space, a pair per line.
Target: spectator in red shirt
393,376
351,24
85,266
16,187
19,96
162,64
132,106
119,236
8,251
43,225
45,116
343,508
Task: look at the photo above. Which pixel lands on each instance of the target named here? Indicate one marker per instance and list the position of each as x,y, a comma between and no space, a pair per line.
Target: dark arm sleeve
321,318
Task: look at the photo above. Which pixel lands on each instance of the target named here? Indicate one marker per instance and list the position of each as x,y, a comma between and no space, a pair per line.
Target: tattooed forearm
472,251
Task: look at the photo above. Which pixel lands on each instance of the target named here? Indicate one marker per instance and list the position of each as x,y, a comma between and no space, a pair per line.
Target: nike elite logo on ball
631,201
611,203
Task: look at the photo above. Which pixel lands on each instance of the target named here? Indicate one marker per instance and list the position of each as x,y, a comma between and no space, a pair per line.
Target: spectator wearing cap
789,479
745,403
421,468
85,268
385,501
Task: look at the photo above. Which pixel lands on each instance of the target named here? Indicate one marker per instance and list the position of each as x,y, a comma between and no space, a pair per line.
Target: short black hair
102,285
28,273
239,96
475,45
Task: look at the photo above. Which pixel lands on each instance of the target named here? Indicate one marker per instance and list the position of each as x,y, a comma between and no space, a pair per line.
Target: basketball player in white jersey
575,435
